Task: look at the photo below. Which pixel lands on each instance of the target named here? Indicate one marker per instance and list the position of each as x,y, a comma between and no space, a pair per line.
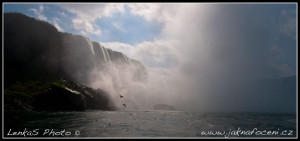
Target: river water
145,124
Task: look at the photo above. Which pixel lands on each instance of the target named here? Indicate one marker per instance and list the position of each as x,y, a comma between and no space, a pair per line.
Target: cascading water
90,45
103,52
110,74
111,71
131,64
128,63
108,60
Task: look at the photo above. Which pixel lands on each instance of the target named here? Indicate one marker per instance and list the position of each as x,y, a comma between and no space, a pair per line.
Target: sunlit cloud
38,12
87,14
62,14
86,26
118,26
155,54
55,22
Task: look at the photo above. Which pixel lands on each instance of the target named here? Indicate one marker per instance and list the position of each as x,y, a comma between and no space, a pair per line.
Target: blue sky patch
120,27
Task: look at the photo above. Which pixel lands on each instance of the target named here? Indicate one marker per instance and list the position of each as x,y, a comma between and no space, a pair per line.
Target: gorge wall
34,49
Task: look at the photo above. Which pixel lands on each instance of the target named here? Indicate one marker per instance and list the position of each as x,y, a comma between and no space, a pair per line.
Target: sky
100,22
157,27
195,45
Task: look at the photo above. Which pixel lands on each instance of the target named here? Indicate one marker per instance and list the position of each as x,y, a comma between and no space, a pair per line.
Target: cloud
207,37
148,10
55,20
156,54
62,14
85,26
87,14
127,49
93,11
118,26
177,31
38,13
174,17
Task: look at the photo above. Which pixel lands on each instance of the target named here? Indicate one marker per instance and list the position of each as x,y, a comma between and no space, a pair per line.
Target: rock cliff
35,49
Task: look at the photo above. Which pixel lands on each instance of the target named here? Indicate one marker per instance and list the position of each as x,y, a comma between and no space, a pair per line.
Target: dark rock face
52,94
95,99
61,99
29,46
164,107
73,96
35,49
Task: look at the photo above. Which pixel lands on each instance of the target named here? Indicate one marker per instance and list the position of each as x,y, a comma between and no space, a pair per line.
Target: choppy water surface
147,124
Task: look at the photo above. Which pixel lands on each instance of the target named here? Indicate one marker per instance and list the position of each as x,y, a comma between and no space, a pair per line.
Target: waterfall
131,64
128,63
125,58
103,52
90,44
108,57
